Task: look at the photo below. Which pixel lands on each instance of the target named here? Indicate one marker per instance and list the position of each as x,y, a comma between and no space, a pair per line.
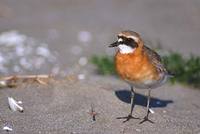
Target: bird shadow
125,96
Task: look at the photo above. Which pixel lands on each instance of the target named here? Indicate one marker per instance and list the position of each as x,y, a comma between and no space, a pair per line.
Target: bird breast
136,69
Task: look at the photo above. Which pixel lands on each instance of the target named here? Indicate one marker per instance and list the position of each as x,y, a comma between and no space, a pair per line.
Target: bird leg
132,106
132,100
146,118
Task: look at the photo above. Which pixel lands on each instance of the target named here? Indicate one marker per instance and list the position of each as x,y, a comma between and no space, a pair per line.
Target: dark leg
132,100
132,106
146,118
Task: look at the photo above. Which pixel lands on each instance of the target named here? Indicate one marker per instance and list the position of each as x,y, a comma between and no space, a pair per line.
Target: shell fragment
8,129
14,105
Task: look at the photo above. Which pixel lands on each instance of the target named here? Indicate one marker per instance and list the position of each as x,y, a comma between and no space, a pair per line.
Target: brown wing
155,59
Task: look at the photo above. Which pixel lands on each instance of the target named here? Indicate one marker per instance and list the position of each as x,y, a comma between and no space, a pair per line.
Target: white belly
149,84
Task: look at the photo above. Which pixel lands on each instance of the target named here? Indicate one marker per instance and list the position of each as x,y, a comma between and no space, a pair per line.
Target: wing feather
155,59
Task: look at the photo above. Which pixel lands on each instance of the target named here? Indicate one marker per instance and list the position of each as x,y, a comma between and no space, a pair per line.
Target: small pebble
81,76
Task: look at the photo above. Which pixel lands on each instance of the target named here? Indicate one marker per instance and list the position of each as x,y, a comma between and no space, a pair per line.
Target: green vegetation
105,64
186,70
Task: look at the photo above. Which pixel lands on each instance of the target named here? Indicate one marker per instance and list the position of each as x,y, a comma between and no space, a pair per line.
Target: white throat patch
124,49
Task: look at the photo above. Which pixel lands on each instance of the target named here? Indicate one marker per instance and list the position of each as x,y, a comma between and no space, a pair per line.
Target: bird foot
146,119
127,118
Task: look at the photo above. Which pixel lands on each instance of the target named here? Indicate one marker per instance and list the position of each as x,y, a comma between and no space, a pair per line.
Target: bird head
127,42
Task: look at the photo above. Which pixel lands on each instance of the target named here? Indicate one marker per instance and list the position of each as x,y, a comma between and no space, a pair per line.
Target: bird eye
131,42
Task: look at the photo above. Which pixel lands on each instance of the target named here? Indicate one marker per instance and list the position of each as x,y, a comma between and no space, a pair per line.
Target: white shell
14,106
6,128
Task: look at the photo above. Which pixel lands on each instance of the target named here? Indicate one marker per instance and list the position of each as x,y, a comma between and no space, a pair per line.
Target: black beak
114,44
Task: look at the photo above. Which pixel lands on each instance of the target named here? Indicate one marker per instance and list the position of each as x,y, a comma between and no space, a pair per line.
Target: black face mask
127,41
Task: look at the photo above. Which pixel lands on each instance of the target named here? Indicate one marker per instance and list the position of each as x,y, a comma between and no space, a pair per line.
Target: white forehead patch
120,40
124,49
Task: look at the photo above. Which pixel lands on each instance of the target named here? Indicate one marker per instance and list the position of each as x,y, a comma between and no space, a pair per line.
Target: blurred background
59,36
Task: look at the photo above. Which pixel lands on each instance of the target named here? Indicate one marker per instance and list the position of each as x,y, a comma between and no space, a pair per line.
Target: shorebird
139,66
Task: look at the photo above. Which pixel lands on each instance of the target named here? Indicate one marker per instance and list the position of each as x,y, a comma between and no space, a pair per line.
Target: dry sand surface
64,107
